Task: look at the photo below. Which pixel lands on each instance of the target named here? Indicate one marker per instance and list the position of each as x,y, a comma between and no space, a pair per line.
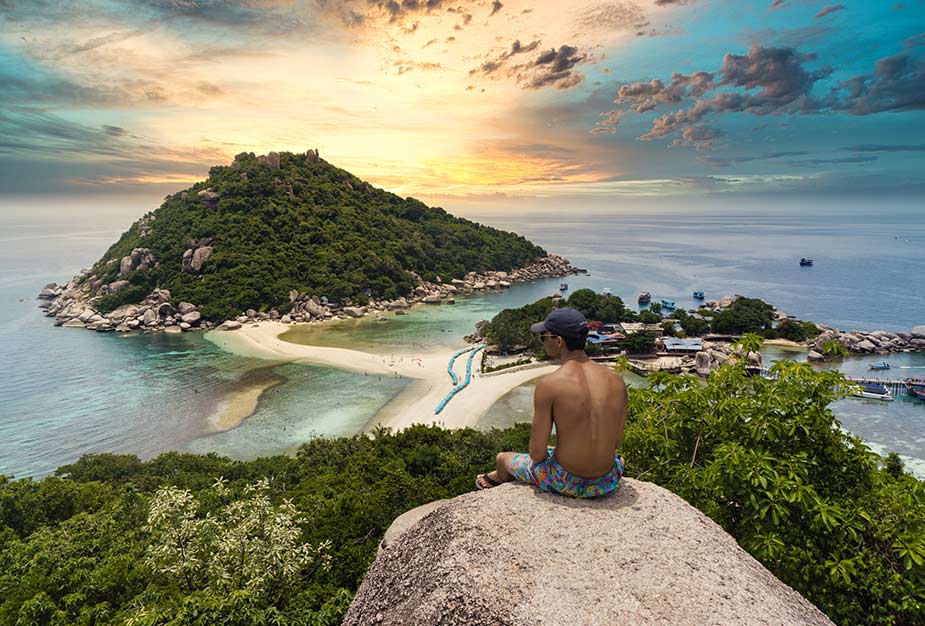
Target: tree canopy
99,543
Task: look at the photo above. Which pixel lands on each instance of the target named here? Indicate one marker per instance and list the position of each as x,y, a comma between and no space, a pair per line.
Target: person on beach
587,403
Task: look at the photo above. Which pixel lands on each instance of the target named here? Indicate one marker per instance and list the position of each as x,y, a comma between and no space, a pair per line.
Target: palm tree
749,342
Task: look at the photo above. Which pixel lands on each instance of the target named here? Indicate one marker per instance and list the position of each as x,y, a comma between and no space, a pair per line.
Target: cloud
495,7
555,68
829,10
613,16
870,147
609,124
896,84
407,66
700,137
720,161
765,81
821,162
493,65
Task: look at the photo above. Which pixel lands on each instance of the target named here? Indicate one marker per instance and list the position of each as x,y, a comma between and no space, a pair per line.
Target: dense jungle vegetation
203,540
511,327
305,225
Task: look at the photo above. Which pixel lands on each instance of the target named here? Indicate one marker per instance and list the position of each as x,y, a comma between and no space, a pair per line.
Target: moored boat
916,388
883,365
873,391
805,262
563,286
698,295
645,297
607,291
668,304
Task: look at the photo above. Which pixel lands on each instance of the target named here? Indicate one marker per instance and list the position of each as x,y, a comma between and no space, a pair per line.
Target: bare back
589,412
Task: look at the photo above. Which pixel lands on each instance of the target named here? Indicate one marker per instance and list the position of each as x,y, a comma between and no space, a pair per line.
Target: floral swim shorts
550,476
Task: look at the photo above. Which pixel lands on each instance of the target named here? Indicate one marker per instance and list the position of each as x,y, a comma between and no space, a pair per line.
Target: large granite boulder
515,555
919,331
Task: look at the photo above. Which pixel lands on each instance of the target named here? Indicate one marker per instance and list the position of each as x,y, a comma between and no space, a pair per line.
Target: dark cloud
493,65
829,10
874,147
720,161
838,161
700,137
495,7
765,81
115,131
897,84
555,68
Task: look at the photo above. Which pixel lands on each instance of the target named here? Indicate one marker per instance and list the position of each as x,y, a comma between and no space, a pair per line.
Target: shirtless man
587,403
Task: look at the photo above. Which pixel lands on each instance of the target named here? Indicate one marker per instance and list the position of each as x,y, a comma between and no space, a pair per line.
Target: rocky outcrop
195,256
641,557
209,198
139,259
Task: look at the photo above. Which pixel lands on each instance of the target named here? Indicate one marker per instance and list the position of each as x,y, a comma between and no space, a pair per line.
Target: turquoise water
66,392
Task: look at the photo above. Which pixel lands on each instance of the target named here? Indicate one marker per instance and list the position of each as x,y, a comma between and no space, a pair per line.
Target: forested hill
262,226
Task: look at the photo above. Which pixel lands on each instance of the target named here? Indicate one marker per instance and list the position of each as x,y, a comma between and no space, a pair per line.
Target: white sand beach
416,404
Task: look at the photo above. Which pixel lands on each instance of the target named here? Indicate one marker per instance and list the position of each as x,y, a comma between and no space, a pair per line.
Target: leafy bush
745,315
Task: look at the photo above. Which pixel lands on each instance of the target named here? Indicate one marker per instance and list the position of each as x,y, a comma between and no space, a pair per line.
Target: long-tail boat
916,388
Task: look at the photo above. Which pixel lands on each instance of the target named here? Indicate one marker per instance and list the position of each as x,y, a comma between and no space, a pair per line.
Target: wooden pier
896,387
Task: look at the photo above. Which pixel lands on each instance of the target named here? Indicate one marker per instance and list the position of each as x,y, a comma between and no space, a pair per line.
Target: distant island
287,233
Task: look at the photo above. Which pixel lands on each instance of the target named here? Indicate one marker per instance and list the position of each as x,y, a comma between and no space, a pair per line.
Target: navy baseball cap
564,323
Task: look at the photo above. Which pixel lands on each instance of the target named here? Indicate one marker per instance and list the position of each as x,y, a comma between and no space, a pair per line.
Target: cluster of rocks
310,309
139,259
72,304
713,355
72,307
861,342
195,256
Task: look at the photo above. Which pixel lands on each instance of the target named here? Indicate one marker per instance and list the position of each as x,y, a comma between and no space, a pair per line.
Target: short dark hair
575,343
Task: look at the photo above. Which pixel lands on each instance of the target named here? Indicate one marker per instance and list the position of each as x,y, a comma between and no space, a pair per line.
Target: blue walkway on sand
472,352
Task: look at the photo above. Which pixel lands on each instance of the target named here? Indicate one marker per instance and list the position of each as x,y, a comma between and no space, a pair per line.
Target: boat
668,304
804,262
883,365
563,286
916,388
607,291
645,297
873,391
698,295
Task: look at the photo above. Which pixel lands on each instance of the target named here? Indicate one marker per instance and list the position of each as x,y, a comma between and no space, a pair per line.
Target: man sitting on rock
587,403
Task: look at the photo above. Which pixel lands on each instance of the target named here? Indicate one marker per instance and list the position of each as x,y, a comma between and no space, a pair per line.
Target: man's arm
542,421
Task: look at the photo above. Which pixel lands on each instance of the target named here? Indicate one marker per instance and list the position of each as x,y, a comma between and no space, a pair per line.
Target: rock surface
641,557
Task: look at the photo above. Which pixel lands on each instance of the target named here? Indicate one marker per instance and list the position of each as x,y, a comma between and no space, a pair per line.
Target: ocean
67,392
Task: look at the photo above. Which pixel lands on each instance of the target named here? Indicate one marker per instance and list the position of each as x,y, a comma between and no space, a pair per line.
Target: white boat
607,291
873,391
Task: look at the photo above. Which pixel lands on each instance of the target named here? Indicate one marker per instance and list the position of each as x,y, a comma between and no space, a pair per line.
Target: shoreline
415,404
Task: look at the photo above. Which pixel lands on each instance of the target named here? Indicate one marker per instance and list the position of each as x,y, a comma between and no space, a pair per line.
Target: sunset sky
501,100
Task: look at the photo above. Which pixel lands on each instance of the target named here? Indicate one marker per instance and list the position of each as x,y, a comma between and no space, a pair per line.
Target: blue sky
504,102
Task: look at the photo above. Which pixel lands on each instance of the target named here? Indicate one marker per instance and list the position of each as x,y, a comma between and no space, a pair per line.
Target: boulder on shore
642,556
230,325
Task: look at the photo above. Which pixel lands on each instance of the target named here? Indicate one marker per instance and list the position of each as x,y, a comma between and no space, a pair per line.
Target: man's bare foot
487,481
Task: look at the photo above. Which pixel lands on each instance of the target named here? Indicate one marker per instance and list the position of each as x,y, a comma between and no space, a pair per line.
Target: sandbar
416,403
